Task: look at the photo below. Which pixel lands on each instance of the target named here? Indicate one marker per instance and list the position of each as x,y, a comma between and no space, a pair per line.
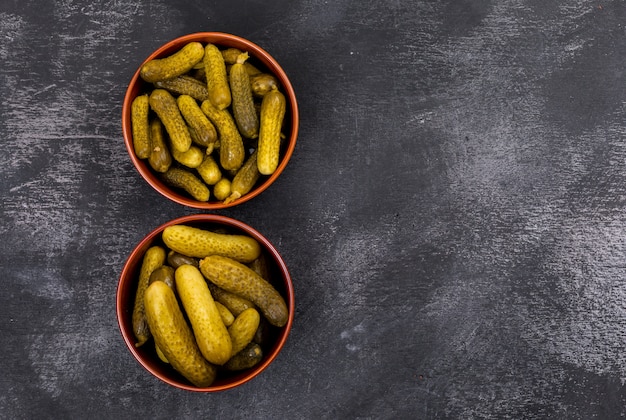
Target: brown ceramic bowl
146,354
260,58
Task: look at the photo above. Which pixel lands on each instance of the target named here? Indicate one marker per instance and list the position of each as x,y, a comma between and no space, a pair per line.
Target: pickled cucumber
164,105
272,114
174,337
232,152
185,85
152,259
217,79
174,65
208,328
249,357
237,278
245,179
243,328
140,126
199,243
160,158
204,130
242,101
187,181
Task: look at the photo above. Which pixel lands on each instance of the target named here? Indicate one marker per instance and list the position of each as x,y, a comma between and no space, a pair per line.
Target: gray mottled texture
454,222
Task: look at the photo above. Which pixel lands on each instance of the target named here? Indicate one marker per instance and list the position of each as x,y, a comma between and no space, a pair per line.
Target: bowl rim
227,40
129,340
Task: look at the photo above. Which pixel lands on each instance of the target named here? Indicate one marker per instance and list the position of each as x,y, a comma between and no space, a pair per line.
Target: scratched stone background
453,215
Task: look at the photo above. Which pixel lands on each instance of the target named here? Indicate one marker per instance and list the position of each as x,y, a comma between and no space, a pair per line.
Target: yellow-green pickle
153,259
199,243
173,336
187,181
174,65
209,330
273,110
164,105
237,278
250,356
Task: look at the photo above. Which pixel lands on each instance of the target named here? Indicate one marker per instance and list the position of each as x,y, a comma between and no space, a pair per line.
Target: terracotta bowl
146,354
258,57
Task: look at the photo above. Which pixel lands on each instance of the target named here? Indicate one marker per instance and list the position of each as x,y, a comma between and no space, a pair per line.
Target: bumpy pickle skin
209,170
232,151
217,79
173,65
199,243
234,303
197,120
174,337
152,259
237,278
246,358
246,177
160,158
188,182
185,85
273,110
243,328
244,111
139,109
211,334
164,105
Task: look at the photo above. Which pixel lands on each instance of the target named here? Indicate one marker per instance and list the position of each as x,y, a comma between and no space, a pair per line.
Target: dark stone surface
453,215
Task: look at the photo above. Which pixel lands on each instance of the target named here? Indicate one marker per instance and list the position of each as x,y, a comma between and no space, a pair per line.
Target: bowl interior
260,58
146,355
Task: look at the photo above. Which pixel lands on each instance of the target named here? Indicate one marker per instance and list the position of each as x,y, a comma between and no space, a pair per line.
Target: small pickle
164,105
221,190
230,55
185,85
152,259
235,304
192,158
272,115
187,181
242,101
217,79
176,259
197,120
160,158
140,126
243,328
209,170
245,179
249,357
174,65
262,83
232,151
165,273
227,316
